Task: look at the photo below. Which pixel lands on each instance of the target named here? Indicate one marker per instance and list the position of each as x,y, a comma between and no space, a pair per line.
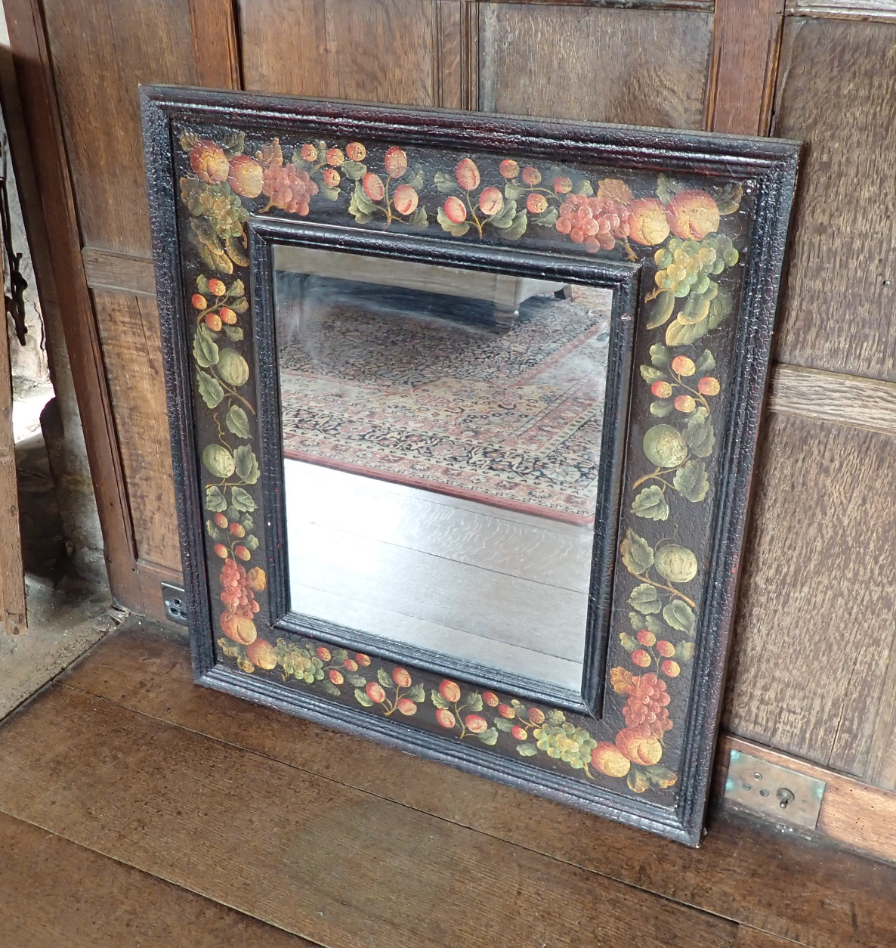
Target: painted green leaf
518,227
651,374
627,642
659,356
361,698
205,349
489,737
233,333
356,681
584,187
699,434
246,464
236,252
384,678
684,651
720,308
202,283
236,288
419,218
240,306
456,230
331,194
188,140
214,500
683,334
661,407
691,481
661,776
361,205
246,522
651,623
661,312
330,688
504,724
242,500
417,693
446,183
473,701
237,421
705,363
505,217
354,169
526,750
437,699
213,531
645,599
416,180
637,780
548,219
218,460
209,389
637,554
651,504
251,542
680,616
232,368
555,717
513,192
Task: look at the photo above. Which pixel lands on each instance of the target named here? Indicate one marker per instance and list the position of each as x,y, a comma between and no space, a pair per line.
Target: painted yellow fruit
675,563
665,446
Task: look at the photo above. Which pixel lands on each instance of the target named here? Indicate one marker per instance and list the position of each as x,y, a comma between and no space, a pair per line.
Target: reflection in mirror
441,430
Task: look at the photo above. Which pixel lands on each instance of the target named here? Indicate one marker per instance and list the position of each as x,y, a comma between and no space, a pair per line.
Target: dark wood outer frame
622,279
770,165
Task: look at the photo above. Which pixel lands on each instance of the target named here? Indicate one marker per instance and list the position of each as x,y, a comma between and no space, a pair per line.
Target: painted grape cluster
674,229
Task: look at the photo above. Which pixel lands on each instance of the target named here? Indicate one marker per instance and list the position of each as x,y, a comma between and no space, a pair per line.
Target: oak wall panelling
814,665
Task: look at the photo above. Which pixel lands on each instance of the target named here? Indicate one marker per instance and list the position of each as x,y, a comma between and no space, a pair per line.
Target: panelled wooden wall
814,666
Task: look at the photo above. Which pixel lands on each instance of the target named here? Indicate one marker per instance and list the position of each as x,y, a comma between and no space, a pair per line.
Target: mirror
441,430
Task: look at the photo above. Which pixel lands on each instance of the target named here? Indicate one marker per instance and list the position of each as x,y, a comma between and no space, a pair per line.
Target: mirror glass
441,432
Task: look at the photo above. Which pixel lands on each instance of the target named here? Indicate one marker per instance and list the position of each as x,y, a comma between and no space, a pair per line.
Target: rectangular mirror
441,438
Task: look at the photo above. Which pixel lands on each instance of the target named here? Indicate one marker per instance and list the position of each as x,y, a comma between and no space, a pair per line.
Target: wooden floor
490,585
137,809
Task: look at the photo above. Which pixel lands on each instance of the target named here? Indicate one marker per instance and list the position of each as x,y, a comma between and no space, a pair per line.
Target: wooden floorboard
388,846
56,894
302,852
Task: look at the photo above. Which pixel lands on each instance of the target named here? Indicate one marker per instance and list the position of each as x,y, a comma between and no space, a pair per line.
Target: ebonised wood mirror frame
626,209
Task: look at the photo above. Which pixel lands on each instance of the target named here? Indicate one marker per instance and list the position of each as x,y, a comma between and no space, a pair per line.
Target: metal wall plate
175,600
776,792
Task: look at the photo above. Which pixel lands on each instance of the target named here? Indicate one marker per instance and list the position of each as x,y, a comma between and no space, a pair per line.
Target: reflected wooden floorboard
478,582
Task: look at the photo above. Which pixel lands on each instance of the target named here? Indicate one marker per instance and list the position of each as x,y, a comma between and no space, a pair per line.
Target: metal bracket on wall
175,604
777,793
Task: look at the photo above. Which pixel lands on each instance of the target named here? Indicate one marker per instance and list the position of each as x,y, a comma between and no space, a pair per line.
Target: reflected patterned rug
511,420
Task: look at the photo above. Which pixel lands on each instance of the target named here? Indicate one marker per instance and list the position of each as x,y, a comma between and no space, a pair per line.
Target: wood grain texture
752,938
129,332
215,43
852,813
301,852
746,46
56,893
363,50
829,396
836,312
850,9
101,52
13,620
41,112
739,873
629,66
117,271
814,627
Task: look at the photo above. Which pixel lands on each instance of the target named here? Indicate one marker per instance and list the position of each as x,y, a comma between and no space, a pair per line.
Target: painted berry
308,153
221,550
221,521
356,151
198,301
455,210
491,201
670,669
490,698
373,186
238,530
363,659
519,733
685,404
508,169
683,366
213,321
227,315
336,676
536,716
666,649
375,692
350,665
331,177
323,653
641,658
401,677
562,185
445,717
536,203
396,162
708,386
467,174
646,637
334,157
661,389
241,551
531,176
475,723
449,690
406,706
405,199
506,711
